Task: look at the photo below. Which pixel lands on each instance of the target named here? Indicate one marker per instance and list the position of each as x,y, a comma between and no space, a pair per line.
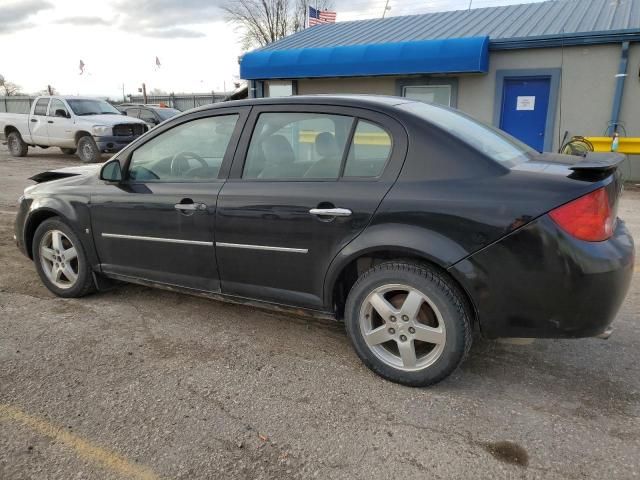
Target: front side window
148,116
92,107
41,107
190,152
297,146
57,105
494,143
369,151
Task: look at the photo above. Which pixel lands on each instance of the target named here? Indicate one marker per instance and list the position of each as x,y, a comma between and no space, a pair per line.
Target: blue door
525,104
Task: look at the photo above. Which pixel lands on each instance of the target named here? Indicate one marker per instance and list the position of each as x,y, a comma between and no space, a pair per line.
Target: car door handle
330,212
33,120
49,121
190,207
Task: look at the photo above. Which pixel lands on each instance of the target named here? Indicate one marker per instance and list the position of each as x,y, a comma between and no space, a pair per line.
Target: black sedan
413,223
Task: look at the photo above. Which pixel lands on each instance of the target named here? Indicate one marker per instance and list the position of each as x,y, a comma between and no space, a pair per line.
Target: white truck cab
88,126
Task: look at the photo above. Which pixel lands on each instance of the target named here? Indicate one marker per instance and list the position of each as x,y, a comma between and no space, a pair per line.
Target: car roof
337,100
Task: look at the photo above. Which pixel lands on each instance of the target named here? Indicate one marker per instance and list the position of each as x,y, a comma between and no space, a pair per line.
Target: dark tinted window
494,143
369,152
297,146
41,107
148,116
189,152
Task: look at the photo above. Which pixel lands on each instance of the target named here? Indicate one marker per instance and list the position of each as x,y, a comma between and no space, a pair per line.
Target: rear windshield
494,143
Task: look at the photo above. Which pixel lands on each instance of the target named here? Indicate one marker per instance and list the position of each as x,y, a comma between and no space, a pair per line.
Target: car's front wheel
60,259
408,323
88,150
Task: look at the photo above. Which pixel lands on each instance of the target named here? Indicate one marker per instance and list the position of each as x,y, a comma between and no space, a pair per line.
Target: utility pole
144,93
124,99
49,90
386,7
470,3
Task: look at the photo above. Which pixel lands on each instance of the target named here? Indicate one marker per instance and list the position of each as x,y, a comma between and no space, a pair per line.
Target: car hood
110,119
57,174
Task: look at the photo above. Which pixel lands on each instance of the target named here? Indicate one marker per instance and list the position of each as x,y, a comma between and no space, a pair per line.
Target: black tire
436,290
17,147
88,150
68,151
84,283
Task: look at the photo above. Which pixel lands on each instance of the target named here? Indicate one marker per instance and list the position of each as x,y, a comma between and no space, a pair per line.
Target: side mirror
124,112
111,171
62,113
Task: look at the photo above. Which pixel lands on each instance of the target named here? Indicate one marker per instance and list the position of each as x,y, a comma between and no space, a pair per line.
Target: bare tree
11,89
265,21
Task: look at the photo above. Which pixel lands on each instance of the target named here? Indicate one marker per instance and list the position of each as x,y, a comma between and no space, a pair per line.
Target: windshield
92,107
494,143
165,113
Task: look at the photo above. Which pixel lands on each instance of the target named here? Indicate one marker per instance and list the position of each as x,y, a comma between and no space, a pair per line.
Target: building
541,71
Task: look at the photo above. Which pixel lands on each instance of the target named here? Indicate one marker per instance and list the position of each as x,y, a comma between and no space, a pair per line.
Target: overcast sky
43,42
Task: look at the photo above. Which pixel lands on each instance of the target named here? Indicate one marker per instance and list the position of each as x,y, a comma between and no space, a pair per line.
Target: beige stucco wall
586,92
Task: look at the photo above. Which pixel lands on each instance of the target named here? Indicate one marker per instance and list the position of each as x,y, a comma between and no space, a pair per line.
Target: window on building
279,88
369,152
439,94
297,146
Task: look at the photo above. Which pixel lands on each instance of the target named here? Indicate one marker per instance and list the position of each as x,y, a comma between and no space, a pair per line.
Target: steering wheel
180,160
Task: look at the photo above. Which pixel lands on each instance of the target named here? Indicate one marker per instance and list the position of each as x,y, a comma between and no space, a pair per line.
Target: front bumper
539,282
113,143
19,224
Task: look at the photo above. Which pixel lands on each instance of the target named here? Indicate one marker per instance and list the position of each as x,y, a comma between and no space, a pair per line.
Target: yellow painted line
84,449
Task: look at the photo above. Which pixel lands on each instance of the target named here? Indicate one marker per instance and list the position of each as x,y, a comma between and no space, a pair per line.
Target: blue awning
451,55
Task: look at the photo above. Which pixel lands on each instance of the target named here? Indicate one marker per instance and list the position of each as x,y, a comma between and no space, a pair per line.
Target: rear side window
297,146
494,143
369,151
41,107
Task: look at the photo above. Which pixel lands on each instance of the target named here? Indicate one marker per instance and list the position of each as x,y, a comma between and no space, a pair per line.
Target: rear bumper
539,282
114,144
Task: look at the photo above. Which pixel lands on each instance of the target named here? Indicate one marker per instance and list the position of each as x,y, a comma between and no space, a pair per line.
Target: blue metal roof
551,23
456,55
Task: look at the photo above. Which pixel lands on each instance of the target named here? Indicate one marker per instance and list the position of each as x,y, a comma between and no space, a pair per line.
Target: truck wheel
408,323
60,259
17,147
68,151
88,150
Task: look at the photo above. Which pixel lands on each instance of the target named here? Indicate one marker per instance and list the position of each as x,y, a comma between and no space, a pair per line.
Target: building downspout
612,129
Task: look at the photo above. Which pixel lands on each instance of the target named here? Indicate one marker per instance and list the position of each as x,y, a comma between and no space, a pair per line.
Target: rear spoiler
599,162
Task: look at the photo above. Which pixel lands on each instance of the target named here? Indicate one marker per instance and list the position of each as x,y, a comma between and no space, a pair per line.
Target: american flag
317,17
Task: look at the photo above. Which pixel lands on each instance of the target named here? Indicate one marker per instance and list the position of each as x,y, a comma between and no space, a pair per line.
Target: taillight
588,218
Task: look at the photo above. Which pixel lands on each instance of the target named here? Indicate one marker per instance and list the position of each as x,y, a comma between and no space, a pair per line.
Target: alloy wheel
402,327
59,259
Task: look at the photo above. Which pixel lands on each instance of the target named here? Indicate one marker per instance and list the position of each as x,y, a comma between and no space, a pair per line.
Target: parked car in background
87,126
411,222
152,115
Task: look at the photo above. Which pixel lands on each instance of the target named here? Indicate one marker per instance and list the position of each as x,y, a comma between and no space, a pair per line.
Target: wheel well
30,229
81,134
352,271
8,129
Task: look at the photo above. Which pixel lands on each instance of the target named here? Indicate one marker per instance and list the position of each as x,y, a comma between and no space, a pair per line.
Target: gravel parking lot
142,383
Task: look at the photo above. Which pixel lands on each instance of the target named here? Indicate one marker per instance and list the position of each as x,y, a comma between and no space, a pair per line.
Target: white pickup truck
87,126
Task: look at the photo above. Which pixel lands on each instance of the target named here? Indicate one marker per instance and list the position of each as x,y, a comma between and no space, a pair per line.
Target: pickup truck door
38,125
60,129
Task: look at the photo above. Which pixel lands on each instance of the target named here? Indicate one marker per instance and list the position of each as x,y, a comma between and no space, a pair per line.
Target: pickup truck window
92,107
41,107
56,105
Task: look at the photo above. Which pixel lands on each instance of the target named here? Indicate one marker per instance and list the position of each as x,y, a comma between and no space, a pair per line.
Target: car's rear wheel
17,147
88,150
68,151
408,323
61,260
